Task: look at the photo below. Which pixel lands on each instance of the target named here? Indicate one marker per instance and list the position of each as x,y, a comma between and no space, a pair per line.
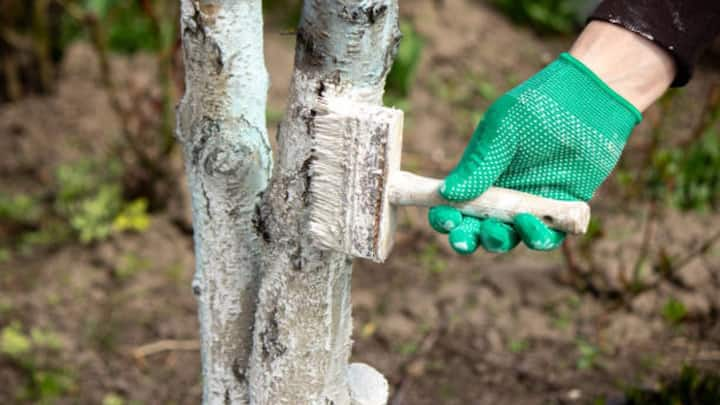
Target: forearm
683,28
633,66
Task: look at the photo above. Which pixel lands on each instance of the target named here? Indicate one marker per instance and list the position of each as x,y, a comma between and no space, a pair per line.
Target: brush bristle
330,174
350,211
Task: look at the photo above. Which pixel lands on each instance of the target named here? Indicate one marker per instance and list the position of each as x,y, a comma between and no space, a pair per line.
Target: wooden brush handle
501,203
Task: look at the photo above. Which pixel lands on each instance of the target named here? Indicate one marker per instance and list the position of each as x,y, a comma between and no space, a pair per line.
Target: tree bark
274,310
221,126
303,322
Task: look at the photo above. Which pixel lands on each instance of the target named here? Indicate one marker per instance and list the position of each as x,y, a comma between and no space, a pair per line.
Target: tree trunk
221,125
288,341
303,323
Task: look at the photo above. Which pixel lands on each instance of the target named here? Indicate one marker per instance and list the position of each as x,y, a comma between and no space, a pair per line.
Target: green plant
45,339
13,342
113,399
89,196
588,354
129,265
562,315
128,26
408,348
548,16
19,208
5,255
45,382
151,25
288,11
86,204
50,232
133,217
274,116
431,260
401,78
47,385
674,311
518,345
691,387
484,88
684,179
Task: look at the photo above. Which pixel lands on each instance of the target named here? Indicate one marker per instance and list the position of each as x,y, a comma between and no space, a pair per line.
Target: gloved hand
558,135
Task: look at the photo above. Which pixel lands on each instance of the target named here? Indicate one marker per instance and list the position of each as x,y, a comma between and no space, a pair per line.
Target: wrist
631,65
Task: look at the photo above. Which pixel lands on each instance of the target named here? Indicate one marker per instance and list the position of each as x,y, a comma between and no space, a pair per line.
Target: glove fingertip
497,237
464,238
535,234
463,242
444,218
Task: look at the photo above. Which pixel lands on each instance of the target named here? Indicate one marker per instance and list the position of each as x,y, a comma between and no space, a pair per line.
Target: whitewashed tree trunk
221,125
274,310
303,323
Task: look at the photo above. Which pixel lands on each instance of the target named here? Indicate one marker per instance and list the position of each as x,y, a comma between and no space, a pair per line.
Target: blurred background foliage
131,25
548,16
35,34
91,200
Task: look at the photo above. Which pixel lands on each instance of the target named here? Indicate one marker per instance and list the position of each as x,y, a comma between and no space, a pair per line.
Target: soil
520,328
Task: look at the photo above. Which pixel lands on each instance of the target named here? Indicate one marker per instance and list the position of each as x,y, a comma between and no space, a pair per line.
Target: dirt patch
518,329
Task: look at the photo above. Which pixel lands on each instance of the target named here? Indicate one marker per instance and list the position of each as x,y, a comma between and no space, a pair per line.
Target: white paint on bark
367,385
274,310
221,125
303,323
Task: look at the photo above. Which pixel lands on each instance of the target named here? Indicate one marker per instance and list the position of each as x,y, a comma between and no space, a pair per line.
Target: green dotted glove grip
558,135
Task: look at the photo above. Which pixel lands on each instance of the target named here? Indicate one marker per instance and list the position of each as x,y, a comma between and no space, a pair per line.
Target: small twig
160,346
98,40
700,250
577,278
645,247
569,257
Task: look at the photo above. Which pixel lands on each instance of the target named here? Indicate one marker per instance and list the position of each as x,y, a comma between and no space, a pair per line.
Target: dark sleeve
682,27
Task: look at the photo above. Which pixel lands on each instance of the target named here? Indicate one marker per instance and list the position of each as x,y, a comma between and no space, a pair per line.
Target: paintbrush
357,184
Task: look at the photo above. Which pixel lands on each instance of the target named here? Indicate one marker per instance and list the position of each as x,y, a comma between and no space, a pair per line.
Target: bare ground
511,329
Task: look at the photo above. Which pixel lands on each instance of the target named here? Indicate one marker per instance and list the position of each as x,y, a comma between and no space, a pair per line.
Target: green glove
558,135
